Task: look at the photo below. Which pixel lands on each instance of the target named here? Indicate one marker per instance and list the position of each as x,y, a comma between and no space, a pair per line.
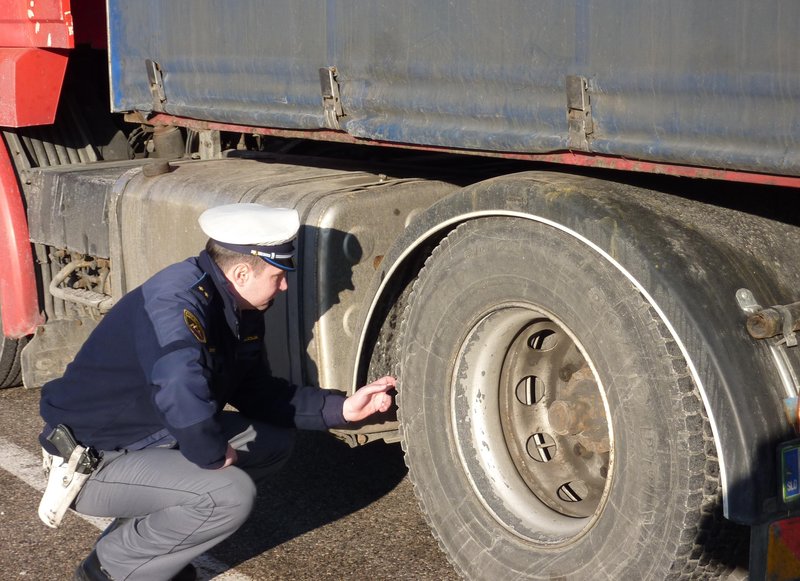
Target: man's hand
369,399
230,457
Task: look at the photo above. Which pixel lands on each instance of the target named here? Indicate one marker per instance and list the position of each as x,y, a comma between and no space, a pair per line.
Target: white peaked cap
250,224
254,229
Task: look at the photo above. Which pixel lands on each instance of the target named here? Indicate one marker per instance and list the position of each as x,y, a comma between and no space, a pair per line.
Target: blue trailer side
712,84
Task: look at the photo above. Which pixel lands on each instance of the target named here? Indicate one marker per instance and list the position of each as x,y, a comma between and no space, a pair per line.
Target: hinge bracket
331,103
759,328
579,113
210,144
156,80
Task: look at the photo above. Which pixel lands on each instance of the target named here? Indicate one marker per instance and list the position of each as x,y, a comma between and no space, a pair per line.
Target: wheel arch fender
19,302
686,259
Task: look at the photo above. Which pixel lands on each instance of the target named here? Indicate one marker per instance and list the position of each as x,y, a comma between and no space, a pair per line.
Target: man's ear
240,273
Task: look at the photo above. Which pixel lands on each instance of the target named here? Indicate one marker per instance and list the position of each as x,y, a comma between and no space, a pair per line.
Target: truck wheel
552,429
10,369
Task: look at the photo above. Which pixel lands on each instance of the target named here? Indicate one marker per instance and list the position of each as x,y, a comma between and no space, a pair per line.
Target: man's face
256,288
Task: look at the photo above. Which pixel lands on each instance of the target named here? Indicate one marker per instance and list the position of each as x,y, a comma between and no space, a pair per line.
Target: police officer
148,388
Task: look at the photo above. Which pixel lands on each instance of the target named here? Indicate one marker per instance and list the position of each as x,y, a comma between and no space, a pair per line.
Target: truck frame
569,228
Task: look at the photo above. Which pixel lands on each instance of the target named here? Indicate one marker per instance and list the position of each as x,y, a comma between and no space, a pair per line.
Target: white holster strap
63,485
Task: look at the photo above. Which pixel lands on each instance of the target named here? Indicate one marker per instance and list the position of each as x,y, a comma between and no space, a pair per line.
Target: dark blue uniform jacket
163,363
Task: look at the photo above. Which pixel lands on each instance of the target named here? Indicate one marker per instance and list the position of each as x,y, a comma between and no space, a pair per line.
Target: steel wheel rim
523,446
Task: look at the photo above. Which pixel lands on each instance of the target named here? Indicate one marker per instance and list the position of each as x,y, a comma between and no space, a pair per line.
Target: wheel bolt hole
541,447
530,390
543,340
574,491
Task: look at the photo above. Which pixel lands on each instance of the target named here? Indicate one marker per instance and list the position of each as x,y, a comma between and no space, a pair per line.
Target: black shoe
91,570
188,573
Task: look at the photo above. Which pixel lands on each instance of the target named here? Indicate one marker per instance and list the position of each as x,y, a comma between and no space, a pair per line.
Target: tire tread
708,543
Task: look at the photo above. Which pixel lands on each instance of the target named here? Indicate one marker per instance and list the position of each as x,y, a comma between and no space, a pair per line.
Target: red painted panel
19,302
30,84
783,560
42,23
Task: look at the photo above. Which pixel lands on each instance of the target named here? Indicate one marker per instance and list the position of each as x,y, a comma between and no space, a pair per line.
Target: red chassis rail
576,158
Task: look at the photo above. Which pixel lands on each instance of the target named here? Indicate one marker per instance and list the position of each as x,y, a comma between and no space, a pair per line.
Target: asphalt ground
333,513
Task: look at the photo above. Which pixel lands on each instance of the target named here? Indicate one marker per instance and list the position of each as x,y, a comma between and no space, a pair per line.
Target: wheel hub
556,433
532,425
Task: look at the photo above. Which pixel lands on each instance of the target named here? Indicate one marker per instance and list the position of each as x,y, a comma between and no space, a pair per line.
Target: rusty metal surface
576,158
553,419
774,320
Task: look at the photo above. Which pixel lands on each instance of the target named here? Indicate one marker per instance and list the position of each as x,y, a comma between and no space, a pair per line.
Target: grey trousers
169,510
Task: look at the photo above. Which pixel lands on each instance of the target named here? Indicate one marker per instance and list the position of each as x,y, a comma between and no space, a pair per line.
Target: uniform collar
232,312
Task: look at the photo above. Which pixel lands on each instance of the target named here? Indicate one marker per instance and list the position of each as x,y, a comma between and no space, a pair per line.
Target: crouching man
136,429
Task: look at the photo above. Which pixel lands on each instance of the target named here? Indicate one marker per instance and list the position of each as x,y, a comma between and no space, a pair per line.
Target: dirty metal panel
160,228
352,231
67,206
713,83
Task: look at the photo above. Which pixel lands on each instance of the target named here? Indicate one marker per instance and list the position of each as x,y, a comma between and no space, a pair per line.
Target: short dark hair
226,258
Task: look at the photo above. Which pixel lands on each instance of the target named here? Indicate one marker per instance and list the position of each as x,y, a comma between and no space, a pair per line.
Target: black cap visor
282,263
278,255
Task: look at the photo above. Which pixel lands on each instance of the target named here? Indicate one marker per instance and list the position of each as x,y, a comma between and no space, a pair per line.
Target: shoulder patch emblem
194,325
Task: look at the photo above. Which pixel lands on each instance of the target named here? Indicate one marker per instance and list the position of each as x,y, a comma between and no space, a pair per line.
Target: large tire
552,429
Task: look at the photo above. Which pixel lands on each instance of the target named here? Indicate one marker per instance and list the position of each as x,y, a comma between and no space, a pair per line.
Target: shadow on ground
324,481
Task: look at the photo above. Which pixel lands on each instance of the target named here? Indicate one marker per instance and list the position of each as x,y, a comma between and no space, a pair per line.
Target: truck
570,229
